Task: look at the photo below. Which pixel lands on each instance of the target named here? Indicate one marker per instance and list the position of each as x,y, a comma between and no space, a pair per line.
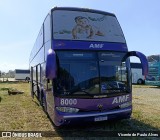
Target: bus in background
75,65
137,77
21,74
136,70
153,77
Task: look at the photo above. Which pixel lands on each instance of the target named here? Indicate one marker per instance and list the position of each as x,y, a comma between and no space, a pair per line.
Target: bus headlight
124,105
67,109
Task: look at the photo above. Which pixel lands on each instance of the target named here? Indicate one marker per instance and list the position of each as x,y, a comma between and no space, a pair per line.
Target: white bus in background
137,77
21,74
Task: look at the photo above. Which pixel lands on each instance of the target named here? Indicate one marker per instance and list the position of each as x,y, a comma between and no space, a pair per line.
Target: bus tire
27,79
139,81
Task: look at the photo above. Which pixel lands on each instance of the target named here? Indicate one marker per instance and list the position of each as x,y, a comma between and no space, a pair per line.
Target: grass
146,101
22,113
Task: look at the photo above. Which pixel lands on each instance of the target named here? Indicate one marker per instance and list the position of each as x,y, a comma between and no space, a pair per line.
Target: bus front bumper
95,117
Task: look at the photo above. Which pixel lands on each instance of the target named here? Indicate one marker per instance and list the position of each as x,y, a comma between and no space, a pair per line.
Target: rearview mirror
51,66
142,58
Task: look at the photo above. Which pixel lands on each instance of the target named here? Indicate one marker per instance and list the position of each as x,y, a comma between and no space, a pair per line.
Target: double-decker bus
75,66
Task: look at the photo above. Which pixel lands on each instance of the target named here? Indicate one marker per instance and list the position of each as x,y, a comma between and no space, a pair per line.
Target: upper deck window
87,26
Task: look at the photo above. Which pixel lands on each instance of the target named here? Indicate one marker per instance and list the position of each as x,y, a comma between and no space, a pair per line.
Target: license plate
100,118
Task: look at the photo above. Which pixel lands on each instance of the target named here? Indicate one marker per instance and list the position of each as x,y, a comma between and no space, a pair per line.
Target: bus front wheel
140,81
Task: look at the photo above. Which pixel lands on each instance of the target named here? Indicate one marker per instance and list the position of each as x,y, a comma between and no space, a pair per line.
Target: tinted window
47,47
22,71
90,73
47,29
77,55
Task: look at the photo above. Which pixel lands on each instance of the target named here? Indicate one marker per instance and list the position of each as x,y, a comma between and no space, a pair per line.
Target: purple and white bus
75,66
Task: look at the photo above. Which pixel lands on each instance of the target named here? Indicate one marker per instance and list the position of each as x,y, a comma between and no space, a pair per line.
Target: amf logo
120,99
99,46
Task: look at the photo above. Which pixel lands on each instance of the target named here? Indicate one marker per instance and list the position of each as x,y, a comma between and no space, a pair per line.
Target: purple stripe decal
92,104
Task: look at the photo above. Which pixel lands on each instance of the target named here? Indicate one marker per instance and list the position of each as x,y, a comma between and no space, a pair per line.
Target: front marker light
67,109
124,105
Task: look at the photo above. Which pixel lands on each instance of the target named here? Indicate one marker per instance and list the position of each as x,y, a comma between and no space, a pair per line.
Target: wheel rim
139,81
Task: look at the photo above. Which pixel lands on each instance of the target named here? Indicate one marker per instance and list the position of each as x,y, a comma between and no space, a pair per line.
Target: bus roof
83,10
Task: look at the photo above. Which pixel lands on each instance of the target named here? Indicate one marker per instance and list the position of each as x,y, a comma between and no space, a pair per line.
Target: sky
20,22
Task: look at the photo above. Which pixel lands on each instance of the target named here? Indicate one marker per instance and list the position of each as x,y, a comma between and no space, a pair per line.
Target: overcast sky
20,21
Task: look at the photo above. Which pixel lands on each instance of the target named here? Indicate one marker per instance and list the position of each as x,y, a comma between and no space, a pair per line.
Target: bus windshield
91,73
86,26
